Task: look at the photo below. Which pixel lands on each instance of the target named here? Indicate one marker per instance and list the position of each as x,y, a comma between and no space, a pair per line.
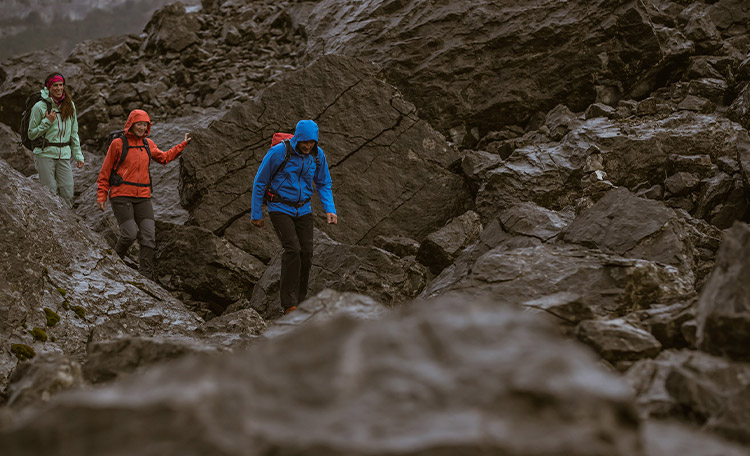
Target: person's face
305,147
139,128
56,90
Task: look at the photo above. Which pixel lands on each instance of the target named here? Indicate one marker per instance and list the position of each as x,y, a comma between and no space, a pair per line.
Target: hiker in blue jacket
286,186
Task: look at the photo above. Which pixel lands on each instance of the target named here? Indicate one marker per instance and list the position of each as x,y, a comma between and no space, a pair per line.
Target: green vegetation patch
62,291
22,352
52,317
80,311
39,334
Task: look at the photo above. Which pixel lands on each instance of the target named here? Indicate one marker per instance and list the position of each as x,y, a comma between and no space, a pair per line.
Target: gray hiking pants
135,216
57,175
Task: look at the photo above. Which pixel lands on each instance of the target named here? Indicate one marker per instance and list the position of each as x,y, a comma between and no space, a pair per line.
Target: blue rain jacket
295,182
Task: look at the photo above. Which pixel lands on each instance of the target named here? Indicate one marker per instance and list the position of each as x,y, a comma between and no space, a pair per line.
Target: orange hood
138,115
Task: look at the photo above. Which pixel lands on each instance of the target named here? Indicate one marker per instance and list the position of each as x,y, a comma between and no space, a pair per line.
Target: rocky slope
541,246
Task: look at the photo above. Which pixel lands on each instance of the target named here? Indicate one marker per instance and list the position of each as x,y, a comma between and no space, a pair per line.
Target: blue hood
306,130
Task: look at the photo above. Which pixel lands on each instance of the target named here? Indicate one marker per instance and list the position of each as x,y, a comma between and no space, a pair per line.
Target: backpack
114,178
32,100
269,195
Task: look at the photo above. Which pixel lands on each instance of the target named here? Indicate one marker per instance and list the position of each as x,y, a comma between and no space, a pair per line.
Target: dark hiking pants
296,236
135,216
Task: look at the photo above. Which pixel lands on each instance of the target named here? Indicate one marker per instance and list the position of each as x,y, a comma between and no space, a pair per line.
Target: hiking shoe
289,309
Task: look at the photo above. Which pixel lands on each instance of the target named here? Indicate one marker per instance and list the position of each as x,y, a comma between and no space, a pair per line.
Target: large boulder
513,60
637,153
390,170
709,391
367,270
63,288
724,304
410,384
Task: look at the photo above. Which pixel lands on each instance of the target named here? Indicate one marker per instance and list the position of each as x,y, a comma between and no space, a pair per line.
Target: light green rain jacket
57,131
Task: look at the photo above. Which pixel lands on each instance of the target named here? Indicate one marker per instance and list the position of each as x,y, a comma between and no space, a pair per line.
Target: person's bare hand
258,223
101,205
51,116
188,138
332,219
80,164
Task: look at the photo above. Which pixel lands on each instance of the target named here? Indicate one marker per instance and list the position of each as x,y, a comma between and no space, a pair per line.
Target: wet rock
527,56
335,370
398,245
696,387
608,285
172,29
13,152
634,227
36,381
390,175
440,248
724,308
111,359
347,268
217,271
54,262
325,306
617,340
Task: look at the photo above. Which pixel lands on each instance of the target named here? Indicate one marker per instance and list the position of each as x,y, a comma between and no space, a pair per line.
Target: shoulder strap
289,151
124,151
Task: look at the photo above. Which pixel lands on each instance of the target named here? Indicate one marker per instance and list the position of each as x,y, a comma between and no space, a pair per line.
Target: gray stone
724,304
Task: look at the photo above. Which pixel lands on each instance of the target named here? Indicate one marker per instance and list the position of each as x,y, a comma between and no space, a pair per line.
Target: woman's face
56,90
139,128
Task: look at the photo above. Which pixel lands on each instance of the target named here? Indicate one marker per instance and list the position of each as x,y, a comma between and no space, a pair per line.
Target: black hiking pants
296,236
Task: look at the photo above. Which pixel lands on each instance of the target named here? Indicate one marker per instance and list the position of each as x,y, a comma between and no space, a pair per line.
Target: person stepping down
284,182
125,178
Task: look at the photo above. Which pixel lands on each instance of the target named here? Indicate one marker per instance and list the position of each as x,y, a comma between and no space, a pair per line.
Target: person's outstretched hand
258,223
80,164
332,219
101,205
188,138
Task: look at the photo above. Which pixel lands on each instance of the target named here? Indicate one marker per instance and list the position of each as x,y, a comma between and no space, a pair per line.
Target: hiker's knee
128,231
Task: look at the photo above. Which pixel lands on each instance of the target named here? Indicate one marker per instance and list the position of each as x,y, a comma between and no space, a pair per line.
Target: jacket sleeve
323,182
38,122
75,141
102,183
271,161
162,157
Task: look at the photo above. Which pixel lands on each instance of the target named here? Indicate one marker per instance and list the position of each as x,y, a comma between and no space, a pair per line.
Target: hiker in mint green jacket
53,127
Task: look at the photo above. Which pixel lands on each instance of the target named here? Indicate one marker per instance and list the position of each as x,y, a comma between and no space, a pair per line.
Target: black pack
270,196
114,178
32,100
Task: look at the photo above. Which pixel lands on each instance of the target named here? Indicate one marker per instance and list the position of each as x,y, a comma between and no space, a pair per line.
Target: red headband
54,79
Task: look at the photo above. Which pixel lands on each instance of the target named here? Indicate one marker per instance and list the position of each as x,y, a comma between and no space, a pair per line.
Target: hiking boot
146,262
289,309
121,250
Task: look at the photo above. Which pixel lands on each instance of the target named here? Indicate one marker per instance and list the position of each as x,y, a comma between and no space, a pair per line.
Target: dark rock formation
423,377
390,170
724,304
387,278
61,277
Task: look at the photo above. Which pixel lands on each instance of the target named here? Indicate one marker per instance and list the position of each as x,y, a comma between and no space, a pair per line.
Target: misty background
58,25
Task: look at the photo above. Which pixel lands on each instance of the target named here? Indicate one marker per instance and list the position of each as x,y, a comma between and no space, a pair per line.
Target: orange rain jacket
135,166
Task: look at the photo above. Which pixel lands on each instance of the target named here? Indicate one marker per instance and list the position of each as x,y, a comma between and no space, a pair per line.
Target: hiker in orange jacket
127,182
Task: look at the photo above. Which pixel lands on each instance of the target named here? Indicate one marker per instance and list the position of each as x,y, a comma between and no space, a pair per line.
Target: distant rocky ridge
593,192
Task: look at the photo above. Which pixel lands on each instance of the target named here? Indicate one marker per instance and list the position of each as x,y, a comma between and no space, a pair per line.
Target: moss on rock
39,334
52,317
80,311
22,352
62,291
